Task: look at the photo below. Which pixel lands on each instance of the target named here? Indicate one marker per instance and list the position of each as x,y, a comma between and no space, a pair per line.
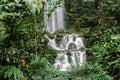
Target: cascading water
70,50
56,21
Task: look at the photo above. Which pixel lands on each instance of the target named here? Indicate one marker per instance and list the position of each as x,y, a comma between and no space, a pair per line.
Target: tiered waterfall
71,49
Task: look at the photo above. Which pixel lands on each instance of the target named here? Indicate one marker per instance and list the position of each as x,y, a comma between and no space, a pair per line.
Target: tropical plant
21,36
42,69
11,73
99,26
89,71
107,51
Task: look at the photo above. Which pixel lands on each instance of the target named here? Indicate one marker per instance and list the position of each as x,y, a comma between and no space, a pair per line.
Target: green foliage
111,7
46,32
53,5
56,75
78,12
39,67
108,51
89,71
21,37
11,73
60,31
35,6
98,22
81,13
16,34
42,69
23,50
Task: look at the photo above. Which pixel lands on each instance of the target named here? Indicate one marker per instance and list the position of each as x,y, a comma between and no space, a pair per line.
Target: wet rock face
72,46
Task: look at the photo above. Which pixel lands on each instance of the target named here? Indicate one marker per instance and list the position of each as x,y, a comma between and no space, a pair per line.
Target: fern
90,71
11,73
41,69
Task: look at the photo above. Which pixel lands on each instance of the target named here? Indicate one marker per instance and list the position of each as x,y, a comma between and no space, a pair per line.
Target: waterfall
56,21
71,49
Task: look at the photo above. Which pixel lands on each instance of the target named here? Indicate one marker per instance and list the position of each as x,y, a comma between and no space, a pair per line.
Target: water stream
71,49
56,21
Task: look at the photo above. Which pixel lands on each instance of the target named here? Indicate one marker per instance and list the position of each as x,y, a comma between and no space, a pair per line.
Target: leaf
13,72
114,62
5,14
4,1
11,4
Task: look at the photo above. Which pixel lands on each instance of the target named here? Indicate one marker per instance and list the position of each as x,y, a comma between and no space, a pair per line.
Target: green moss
70,31
58,39
83,31
60,31
80,31
46,32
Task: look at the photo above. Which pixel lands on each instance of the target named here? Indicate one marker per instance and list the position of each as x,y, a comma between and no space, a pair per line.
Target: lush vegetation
24,54
21,38
99,23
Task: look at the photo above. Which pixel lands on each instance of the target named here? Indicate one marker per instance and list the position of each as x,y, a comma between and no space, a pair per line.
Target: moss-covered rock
46,32
70,31
60,31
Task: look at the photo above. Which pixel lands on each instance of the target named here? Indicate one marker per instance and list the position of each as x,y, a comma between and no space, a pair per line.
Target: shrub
89,71
11,72
107,51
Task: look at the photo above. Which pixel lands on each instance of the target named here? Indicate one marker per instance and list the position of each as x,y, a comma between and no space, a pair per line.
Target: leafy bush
39,67
11,72
21,35
89,71
98,22
42,69
108,50
78,12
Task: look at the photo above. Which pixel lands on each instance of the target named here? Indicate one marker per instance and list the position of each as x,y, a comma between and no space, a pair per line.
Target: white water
56,20
70,50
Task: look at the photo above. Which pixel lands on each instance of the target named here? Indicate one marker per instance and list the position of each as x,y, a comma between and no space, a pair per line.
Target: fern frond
11,72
